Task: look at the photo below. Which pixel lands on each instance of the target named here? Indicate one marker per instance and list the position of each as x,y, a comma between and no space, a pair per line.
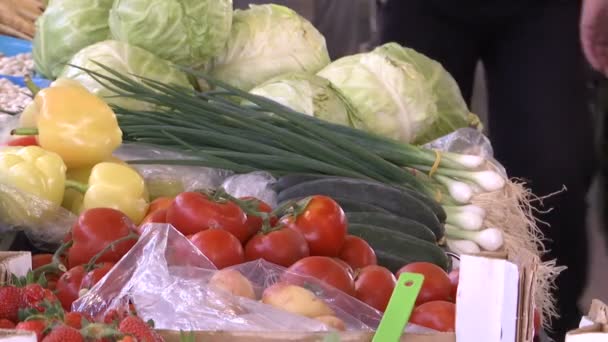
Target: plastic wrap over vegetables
32,184
169,281
65,27
267,41
125,59
186,32
467,141
309,94
400,93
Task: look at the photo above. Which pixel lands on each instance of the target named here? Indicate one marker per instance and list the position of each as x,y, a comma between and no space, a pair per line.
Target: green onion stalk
231,129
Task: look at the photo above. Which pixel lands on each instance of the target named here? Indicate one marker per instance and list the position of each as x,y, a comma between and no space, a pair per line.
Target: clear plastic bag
44,223
168,180
166,278
468,141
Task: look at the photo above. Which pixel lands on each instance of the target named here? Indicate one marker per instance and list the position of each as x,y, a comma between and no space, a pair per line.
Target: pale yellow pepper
33,170
115,186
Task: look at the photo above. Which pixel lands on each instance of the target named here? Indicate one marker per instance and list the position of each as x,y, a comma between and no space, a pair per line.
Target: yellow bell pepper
29,116
33,170
72,199
74,123
115,186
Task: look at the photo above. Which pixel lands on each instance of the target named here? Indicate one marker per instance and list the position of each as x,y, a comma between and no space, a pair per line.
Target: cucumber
392,222
402,247
348,205
289,181
393,200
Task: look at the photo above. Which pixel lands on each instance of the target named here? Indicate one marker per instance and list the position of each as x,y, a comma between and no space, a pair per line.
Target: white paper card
487,300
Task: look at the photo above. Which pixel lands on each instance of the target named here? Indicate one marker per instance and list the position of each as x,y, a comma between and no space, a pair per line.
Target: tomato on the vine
454,276
436,284
220,247
281,246
68,286
322,222
95,230
193,212
95,275
325,269
357,252
254,223
374,285
437,315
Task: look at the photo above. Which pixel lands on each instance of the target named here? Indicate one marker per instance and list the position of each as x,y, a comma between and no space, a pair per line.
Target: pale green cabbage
127,60
267,41
186,32
309,94
401,94
65,27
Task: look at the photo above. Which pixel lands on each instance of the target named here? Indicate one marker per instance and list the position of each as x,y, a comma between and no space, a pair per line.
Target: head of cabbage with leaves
401,94
126,60
186,32
65,27
267,41
309,94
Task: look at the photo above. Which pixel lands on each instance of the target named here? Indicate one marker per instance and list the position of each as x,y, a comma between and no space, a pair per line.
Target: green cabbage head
267,41
309,94
186,32
401,94
65,27
127,60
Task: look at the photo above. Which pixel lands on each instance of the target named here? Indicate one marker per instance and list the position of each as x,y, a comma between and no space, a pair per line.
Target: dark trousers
538,117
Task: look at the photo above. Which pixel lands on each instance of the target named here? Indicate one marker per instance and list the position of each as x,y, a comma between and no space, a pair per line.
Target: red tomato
281,246
323,224
325,269
39,260
68,286
193,212
357,252
160,204
220,247
438,315
95,230
346,266
95,275
454,279
24,141
374,285
158,216
254,223
436,284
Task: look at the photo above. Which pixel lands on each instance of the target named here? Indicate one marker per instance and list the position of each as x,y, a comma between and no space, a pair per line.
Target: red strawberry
10,301
6,324
34,295
136,327
63,333
36,326
127,339
74,319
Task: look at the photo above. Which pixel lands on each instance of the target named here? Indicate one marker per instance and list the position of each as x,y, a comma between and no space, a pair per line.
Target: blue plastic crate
10,46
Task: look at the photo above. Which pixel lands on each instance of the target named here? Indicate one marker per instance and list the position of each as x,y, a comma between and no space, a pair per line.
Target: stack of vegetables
255,89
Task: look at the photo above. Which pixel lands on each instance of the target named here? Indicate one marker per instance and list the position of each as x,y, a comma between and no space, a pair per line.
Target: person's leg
541,130
418,25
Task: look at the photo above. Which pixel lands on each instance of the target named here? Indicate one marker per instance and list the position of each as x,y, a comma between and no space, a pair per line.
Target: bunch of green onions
231,129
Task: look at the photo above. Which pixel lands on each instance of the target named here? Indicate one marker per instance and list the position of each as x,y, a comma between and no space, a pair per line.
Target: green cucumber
392,222
402,247
393,200
289,181
348,205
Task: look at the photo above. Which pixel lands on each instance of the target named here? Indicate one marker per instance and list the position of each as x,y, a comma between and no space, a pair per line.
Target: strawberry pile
31,307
